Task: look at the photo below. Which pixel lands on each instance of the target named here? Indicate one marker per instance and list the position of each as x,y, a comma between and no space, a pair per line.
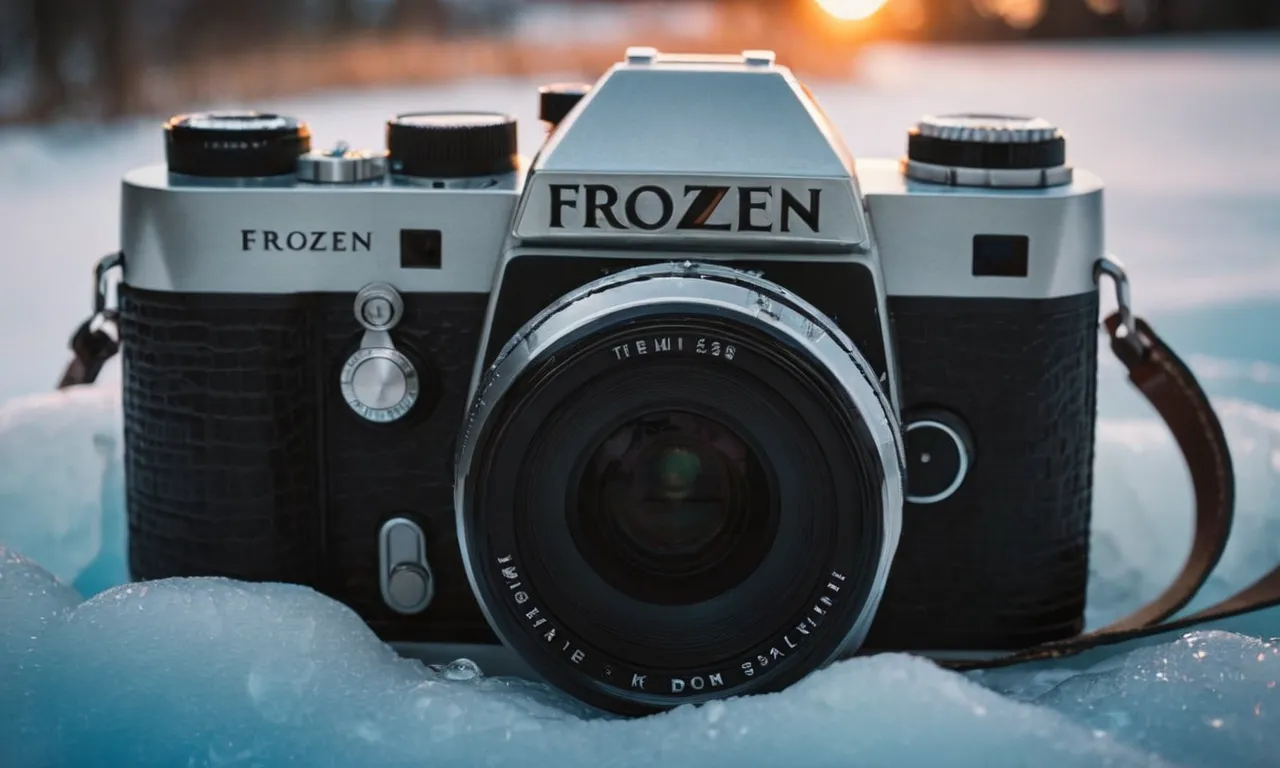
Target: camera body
316,347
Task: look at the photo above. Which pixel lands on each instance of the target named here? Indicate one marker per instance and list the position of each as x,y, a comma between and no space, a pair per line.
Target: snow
208,672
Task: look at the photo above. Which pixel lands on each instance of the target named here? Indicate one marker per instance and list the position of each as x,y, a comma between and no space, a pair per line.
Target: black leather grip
221,440
243,460
1003,563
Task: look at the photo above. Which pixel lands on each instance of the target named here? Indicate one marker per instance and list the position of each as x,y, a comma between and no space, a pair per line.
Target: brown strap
1172,390
97,339
95,342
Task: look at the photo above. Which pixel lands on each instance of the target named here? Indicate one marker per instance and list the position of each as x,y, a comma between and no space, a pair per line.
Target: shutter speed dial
378,381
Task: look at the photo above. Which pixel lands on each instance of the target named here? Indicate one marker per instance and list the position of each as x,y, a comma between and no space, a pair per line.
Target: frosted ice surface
1142,518
30,601
30,597
211,672
1213,694
61,483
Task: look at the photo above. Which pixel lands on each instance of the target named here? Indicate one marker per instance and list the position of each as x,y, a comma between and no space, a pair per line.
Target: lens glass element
672,508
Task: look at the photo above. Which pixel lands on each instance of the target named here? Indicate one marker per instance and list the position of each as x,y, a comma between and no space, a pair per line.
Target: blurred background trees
108,58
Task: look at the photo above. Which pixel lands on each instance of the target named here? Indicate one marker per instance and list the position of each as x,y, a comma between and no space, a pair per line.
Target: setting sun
851,10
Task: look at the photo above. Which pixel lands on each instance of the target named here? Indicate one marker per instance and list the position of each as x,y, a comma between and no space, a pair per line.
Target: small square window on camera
1000,255
420,248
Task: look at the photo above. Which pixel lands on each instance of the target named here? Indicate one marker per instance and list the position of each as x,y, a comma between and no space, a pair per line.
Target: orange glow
1019,14
851,10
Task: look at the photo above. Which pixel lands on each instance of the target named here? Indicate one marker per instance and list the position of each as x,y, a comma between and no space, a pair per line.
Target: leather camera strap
95,342
1162,378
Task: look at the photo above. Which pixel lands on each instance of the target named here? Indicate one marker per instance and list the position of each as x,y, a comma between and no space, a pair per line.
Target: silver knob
379,307
341,166
379,383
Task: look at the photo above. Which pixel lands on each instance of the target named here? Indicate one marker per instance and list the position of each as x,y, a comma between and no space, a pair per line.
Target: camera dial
448,145
974,150
235,144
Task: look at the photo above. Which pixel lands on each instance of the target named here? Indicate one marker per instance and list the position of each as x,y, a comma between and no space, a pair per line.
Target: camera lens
673,508
665,495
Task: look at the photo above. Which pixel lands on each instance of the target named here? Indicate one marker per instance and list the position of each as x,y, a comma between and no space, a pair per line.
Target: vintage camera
685,407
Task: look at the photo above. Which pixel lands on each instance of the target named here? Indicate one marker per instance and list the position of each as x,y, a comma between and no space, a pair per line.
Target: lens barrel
678,483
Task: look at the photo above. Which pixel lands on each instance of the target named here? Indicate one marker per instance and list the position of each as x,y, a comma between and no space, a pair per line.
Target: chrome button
939,453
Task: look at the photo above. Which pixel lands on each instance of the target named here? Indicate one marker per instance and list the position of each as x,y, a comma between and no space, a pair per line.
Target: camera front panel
244,460
403,469
1001,563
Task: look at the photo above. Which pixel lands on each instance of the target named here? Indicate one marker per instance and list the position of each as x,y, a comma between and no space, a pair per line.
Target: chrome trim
727,291
870,260
988,129
1110,266
101,282
1012,178
187,236
341,165
960,473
